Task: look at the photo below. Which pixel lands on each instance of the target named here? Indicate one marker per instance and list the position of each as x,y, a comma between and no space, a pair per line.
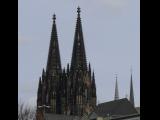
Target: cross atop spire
116,97
54,17
78,10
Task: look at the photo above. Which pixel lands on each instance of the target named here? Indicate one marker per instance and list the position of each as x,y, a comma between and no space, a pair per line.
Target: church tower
83,88
50,77
70,91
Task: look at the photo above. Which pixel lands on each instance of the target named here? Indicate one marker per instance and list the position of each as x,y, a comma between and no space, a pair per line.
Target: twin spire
131,99
78,61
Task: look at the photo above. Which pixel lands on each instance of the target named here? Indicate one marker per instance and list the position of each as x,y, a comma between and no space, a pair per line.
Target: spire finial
54,17
78,10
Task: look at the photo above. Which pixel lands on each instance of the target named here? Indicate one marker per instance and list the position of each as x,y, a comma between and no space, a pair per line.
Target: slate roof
115,108
137,116
60,117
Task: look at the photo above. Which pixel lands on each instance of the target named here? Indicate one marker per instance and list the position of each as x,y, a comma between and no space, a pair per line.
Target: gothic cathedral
70,91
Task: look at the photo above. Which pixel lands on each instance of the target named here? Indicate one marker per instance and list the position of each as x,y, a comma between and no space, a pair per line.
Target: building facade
72,90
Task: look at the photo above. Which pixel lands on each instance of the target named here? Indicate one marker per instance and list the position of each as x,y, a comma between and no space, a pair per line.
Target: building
121,109
115,109
70,91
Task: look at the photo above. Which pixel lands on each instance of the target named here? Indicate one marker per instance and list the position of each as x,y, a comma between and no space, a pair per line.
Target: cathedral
72,90
70,93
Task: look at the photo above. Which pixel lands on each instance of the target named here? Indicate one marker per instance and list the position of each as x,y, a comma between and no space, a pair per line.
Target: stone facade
71,90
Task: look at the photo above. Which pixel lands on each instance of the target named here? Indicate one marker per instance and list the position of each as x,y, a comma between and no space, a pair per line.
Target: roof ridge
113,101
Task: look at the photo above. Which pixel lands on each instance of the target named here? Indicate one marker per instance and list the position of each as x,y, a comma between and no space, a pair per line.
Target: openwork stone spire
54,62
78,61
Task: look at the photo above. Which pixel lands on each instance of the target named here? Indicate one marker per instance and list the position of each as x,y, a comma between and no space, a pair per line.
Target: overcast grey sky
111,34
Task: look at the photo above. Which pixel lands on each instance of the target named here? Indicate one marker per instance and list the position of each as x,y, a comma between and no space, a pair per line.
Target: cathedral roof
119,107
127,117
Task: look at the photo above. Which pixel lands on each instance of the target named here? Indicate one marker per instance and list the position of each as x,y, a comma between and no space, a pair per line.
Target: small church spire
116,97
39,93
43,72
93,86
93,80
131,91
89,67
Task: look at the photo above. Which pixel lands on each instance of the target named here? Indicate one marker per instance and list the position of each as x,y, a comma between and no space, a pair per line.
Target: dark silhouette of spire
93,85
54,62
43,76
93,88
39,94
89,67
40,85
116,97
131,91
78,60
68,69
93,81
43,72
89,70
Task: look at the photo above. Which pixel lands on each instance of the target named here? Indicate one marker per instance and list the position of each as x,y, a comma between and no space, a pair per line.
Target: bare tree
26,112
